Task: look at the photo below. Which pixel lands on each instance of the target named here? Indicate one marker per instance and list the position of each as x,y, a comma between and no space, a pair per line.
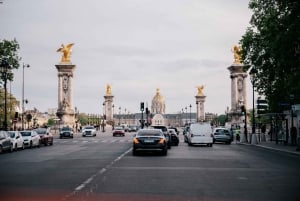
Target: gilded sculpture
200,90
237,54
66,50
108,90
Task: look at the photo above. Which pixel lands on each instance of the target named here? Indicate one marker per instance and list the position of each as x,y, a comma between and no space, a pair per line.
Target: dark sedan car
167,135
66,132
46,136
150,140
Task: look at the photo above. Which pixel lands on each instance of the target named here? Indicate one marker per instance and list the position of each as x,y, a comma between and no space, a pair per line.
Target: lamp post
23,100
252,73
119,115
197,110
190,113
4,69
185,115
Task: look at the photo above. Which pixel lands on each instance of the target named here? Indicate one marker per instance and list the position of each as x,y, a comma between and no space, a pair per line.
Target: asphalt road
103,168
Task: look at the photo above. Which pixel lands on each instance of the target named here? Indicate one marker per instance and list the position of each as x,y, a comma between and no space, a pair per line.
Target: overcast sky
134,45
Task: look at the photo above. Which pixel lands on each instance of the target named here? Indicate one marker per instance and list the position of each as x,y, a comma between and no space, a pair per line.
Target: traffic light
142,106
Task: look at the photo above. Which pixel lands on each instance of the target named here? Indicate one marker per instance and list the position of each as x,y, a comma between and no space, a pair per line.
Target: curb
273,149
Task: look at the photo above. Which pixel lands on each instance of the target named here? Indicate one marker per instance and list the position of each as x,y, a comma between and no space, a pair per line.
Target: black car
150,140
174,137
66,132
5,142
164,129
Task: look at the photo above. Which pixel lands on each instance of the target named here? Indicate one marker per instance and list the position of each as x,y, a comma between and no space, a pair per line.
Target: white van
200,133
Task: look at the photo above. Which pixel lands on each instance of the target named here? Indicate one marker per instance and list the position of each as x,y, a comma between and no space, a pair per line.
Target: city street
103,168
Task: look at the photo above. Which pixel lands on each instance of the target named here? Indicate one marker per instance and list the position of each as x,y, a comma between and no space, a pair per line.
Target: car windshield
222,132
89,127
163,128
12,134
25,133
66,129
119,128
41,131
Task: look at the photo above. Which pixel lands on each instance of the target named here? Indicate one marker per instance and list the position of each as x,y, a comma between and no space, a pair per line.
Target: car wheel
134,152
11,148
164,152
30,145
39,144
16,147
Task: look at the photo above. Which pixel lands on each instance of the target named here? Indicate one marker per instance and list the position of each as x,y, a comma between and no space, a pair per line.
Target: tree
13,104
9,57
272,45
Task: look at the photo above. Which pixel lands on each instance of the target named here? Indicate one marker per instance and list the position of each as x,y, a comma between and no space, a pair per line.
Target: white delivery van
200,133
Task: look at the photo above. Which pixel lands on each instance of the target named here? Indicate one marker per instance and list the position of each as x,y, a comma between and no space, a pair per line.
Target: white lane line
100,172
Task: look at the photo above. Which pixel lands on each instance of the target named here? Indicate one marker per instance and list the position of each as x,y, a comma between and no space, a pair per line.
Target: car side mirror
17,137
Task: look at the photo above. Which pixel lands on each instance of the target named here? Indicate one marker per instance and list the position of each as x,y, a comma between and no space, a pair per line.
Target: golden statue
66,50
200,90
237,54
108,90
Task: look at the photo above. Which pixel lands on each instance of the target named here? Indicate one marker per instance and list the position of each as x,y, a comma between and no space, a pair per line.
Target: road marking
100,172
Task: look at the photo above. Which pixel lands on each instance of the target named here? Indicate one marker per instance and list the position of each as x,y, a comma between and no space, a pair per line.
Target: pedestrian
293,135
237,136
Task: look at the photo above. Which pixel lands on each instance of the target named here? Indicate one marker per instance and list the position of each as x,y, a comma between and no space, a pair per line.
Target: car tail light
162,141
192,135
136,141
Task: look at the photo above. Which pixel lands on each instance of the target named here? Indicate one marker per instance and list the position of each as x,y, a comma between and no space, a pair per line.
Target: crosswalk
95,141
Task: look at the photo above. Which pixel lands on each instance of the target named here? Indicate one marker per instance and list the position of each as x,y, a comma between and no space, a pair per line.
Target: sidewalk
271,145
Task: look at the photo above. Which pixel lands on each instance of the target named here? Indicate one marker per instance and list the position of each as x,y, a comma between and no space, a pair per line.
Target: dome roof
158,98
158,103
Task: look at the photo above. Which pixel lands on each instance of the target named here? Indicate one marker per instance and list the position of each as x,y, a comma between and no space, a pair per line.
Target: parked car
222,135
150,140
118,131
5,142
31,138
164,129
66,132
89,131
174,137
45,135
200,133
16,139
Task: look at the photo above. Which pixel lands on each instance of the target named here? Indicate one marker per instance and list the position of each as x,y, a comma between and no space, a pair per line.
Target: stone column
108,102
65,109
200,107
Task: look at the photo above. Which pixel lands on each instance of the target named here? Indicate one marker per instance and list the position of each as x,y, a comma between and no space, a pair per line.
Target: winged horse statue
66,50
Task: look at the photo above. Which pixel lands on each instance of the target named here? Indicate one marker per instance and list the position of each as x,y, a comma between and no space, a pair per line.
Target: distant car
177,131
174,137
31,138
66,132
17,140
89,131
5,142
45,135
222,135
150,140
118,131
164,129
133,128
200,133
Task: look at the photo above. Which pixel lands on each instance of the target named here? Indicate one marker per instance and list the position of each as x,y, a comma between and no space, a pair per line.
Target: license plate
148,141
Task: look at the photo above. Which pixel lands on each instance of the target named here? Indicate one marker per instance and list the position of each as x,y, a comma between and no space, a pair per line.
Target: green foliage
51,122
83,119
9,57
272,45
12,104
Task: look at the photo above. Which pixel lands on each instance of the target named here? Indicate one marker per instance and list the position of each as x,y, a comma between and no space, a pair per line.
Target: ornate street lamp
23,100
185,115
119,115
252,74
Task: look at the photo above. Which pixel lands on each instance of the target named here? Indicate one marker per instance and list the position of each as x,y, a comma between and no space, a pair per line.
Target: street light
197,110
190,113
23,100
119,115
185,115
252,73
4,69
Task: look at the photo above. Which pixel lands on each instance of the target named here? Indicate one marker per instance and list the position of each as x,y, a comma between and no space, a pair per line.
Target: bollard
298,144
253,139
